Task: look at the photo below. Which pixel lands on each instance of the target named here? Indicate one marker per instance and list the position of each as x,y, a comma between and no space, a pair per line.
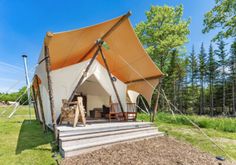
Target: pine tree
233,74
222,55
202,74
211,75
193,67
193,74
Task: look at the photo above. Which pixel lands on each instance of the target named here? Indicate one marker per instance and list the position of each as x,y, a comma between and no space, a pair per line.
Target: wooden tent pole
157,101
84,73
50,92
35,103
122,19
112,82
41,106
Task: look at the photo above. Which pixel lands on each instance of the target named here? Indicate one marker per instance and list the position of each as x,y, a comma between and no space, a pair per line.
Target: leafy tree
202,74
223,16
163,31
5,97
212,66
222,55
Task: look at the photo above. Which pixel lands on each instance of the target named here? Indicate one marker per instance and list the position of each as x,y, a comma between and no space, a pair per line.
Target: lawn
22,140
221,130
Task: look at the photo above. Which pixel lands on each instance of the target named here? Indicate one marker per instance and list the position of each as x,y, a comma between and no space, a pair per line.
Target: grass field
23,141
221,130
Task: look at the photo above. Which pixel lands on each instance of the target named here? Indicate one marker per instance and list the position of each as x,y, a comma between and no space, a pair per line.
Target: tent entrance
94,97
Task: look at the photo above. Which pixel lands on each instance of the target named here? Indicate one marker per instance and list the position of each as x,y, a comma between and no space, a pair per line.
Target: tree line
201,82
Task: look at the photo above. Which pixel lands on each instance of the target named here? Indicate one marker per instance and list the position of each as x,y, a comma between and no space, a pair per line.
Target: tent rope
168,102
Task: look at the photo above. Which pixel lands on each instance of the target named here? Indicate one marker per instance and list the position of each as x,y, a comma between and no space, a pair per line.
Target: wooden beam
143,79
112,82
157,101
41,106
35,103
50,92
122,19
84,74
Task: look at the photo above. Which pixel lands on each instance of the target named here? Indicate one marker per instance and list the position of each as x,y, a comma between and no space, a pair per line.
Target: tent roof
125,56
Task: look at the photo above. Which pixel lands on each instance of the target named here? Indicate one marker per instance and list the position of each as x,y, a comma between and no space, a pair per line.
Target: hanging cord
144,105
194,124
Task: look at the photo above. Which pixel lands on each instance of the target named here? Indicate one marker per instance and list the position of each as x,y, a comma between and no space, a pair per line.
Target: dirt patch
154,151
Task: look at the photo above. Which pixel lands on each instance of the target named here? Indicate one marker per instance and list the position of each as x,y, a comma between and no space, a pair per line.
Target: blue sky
24,23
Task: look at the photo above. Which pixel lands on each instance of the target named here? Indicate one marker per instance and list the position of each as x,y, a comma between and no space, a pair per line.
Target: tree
233,74
193,67
211,75
221,53
223,16
193,75
202,74
163,31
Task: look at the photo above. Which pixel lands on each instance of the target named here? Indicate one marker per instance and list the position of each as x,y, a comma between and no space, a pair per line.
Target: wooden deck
74,141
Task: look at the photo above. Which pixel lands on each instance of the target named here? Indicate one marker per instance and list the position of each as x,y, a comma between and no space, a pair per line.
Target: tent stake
112,82
84,74
41,105
50,92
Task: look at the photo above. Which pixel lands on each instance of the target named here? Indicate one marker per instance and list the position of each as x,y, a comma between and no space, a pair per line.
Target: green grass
22,141
221,130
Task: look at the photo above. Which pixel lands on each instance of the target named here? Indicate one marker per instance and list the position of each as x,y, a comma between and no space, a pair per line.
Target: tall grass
218,123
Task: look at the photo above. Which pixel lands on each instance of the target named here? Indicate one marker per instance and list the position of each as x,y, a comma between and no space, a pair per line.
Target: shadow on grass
31,136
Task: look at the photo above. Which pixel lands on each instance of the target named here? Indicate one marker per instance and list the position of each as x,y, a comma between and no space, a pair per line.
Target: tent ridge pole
112,82
50,92
122,19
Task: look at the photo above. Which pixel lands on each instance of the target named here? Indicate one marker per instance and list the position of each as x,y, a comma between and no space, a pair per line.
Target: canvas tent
66,55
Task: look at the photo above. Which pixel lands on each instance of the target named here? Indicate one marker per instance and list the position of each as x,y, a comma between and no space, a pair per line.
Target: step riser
104,141
107,133
66,154
104,138
96,130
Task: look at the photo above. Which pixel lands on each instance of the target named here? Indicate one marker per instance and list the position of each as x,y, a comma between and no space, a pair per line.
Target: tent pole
112,82
41,105
50,92
84,74
35,103
157,101
122,19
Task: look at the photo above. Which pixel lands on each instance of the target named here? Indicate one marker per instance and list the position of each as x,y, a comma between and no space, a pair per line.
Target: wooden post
84,74
41,106
50,92
157,101
35,104
112,82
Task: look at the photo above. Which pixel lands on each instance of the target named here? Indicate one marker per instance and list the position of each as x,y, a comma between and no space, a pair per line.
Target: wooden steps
74,141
